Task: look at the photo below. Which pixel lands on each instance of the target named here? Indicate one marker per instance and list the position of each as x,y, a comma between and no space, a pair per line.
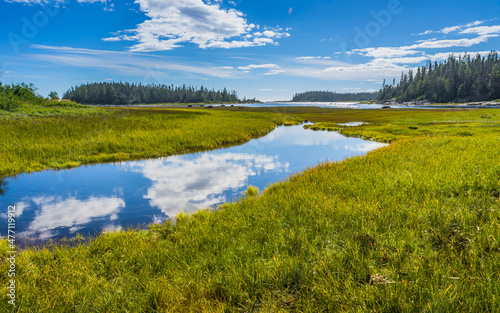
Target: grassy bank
410,227
37,138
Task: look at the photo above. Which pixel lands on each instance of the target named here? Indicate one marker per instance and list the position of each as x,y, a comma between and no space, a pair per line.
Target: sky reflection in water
90,199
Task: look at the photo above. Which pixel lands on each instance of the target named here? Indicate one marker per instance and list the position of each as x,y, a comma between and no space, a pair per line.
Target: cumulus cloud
205,24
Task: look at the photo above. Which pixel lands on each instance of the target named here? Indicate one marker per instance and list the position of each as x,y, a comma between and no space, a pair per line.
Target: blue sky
264,49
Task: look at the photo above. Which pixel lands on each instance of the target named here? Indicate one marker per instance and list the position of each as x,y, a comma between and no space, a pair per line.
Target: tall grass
57,140
411,227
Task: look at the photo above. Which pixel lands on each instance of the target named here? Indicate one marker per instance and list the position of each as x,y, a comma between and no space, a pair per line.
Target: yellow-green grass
411,227
54,137
389,125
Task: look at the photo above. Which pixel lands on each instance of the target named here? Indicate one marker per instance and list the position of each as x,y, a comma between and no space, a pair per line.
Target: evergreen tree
464,79
328,96
126,93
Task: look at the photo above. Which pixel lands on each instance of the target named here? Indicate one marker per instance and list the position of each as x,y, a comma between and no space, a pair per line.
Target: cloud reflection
184,184
365,146
57,212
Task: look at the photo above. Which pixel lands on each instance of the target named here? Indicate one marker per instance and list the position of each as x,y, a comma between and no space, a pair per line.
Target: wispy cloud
31,2
109,5
386,52
456,28
482,30
257,66
312,58
449,43
392,59
124,63
274,72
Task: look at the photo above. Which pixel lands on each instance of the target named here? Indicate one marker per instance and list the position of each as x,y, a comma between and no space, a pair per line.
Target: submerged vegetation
126,93
407,228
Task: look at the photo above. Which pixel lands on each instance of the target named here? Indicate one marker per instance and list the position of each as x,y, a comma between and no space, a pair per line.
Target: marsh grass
69,135
411,227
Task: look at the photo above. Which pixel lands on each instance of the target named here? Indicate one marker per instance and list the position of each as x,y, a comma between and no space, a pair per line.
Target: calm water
357,105
90,199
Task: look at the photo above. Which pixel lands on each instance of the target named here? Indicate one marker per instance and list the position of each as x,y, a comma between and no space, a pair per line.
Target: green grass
38,138
411,227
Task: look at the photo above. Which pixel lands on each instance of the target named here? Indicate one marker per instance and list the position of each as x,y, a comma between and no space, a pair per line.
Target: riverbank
480,104
410,227
41,138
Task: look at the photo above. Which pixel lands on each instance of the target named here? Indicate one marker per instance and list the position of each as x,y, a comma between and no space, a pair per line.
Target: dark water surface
90,199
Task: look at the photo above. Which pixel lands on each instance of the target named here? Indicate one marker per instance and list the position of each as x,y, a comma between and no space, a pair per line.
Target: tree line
126,93
329,96
461,79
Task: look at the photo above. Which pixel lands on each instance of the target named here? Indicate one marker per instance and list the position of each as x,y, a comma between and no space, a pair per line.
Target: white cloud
407,60
150,67
482,30
448,43
207,25
109,7
312,58
91,1
386,52
31,2
374,70
452,29
387,58
257,66
274,72
308,58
